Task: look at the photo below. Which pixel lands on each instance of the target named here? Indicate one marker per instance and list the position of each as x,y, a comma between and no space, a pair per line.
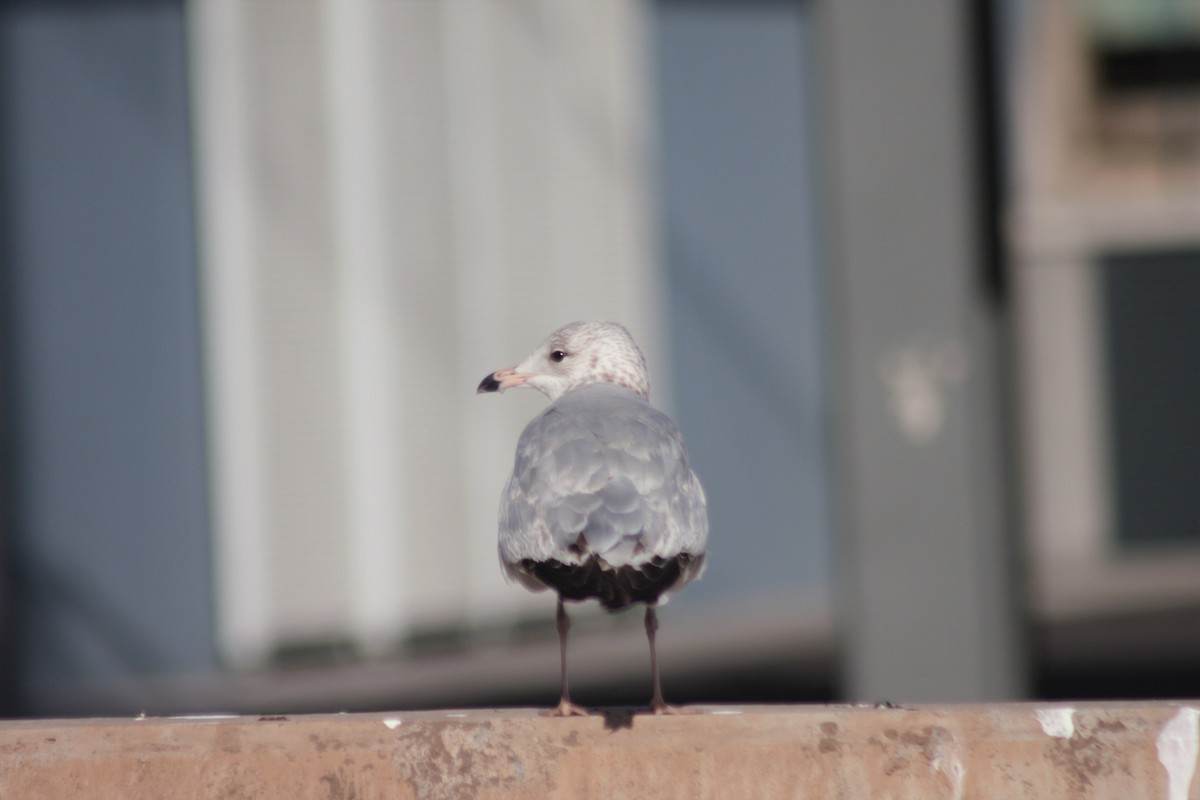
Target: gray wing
603,472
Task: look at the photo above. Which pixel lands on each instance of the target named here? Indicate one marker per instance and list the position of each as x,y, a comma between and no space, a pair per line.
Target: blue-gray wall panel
112,543
739,211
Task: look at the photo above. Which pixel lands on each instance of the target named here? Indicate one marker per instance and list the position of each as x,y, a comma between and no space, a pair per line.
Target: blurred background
919,282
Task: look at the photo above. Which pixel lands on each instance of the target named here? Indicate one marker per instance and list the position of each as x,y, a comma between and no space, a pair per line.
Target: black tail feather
614,587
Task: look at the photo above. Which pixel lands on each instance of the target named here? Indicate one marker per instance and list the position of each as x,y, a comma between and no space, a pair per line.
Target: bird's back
602,502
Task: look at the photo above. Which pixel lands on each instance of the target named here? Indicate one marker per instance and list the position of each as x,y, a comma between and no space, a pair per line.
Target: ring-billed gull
601,503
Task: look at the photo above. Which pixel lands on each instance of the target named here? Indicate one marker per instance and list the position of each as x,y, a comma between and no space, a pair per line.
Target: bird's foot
661,709
567,709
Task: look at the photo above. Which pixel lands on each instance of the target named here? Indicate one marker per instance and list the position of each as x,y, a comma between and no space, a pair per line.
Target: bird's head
575,355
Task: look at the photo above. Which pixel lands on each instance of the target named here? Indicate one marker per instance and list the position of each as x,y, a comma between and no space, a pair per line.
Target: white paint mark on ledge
1057,722
947,759
1178,744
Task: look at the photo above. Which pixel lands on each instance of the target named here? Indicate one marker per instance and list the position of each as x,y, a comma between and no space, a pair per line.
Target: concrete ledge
1125,750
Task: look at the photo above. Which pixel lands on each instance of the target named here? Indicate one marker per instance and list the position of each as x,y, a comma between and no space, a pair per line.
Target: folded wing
601,483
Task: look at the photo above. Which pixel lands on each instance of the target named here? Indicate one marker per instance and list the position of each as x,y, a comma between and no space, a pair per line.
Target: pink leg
657,704
565,707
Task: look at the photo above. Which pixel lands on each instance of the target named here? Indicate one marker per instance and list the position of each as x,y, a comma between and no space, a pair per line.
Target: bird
602,503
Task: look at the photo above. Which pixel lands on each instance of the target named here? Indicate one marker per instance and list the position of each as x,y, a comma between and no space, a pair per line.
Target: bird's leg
565,707
657,704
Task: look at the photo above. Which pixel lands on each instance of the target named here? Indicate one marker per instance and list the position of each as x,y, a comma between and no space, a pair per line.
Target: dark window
1152,305
1174,66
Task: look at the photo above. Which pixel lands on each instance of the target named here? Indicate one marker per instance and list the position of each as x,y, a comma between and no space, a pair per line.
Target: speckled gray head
577,354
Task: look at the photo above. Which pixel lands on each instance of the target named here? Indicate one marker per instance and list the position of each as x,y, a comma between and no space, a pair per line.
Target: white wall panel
398,198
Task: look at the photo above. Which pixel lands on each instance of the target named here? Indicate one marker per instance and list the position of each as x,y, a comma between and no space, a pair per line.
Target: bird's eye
557,355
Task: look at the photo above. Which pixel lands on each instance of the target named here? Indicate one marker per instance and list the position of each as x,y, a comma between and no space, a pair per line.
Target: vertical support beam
8,425
371,356
930,608
228,223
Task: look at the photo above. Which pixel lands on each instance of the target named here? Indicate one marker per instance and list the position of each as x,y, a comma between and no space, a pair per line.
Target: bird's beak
502,379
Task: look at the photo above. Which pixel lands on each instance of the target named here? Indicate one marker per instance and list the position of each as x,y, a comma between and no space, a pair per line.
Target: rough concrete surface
1120,751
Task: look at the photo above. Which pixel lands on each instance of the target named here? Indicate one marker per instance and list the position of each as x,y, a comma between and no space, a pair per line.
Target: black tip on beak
488,384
